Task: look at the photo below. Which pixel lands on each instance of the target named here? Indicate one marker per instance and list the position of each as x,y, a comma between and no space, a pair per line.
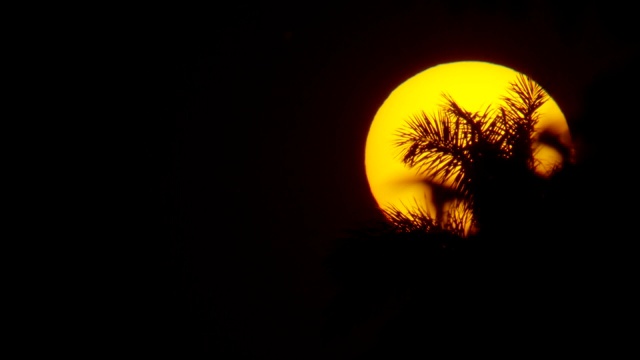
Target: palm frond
458,218
476,153
433,145
524,97
411,219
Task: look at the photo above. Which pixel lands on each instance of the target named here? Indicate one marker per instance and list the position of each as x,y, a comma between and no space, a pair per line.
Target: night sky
254,136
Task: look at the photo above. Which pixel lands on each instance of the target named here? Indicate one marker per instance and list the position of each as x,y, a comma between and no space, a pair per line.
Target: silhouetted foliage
437,279
487,159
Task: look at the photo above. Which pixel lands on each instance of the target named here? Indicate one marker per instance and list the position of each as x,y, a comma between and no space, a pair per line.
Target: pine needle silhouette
486,159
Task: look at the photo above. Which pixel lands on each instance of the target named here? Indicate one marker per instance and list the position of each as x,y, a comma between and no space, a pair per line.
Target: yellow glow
473,85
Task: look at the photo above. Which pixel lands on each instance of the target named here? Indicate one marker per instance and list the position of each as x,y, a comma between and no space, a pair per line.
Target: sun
474,85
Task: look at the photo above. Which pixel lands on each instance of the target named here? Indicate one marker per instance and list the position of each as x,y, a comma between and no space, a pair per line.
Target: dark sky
255,134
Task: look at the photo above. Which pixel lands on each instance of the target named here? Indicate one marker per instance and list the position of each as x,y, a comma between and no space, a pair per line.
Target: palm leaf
470,149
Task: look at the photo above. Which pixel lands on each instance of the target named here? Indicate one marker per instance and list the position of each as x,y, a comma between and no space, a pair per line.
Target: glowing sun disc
474,85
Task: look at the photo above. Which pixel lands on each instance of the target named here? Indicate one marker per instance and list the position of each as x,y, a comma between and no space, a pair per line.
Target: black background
254,118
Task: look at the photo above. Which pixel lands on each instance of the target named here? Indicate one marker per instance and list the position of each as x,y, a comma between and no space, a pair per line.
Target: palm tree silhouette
420,267
485,160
